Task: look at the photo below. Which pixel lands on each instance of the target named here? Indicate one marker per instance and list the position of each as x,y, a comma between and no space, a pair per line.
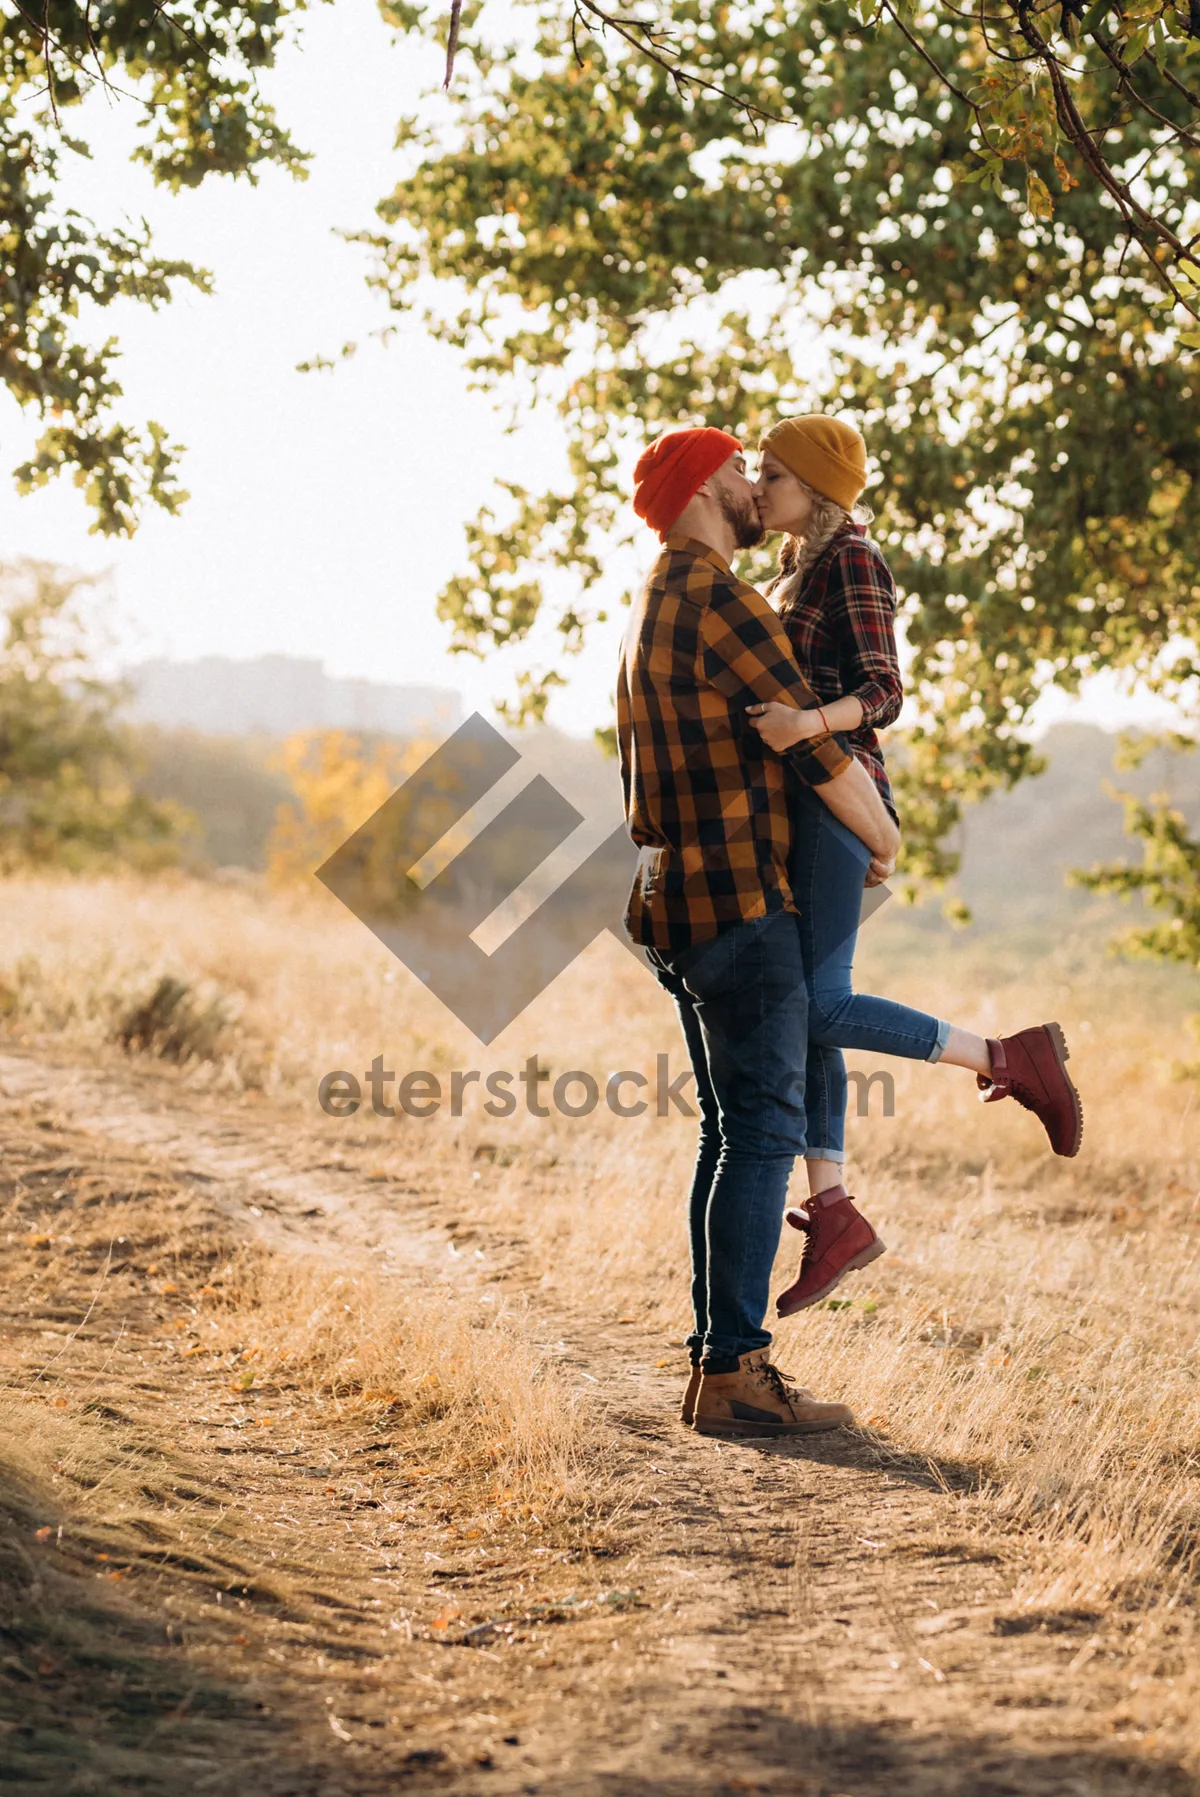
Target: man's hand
783,726
854,800
882,868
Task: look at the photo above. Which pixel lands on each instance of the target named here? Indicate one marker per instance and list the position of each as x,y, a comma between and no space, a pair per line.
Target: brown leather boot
687,1409
1031,1067
757,1400
840,1241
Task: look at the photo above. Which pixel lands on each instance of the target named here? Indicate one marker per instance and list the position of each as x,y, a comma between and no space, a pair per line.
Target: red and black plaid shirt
843,631
705,799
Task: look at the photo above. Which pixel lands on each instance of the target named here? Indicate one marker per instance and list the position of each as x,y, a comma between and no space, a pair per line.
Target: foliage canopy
645,253
191,71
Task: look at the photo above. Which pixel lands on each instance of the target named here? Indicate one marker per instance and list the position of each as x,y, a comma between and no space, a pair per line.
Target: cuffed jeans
742,1002
827,871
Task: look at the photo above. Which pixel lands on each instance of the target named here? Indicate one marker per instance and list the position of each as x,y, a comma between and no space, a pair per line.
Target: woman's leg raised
830,866
825,1067
1029,1066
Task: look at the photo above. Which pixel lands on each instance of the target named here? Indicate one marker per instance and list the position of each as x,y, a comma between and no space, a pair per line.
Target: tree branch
452,40
1125,82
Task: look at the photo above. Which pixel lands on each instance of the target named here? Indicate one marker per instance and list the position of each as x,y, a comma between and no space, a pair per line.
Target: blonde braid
797,555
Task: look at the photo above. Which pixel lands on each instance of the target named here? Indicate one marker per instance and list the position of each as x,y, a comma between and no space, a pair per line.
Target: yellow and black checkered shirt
705,799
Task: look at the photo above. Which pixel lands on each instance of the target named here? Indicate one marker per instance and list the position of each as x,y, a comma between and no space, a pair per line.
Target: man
705,803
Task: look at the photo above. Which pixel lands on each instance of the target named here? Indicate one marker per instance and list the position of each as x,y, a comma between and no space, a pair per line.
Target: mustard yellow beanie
827,454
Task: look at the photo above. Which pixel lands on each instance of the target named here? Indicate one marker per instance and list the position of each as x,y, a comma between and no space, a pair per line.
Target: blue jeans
743,1006
827,870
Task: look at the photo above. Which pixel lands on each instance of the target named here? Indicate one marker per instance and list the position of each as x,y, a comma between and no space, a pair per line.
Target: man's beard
743,520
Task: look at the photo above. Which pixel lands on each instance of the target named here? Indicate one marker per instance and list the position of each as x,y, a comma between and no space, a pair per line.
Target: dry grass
469,1388
211,1447
1030,1334
272,1335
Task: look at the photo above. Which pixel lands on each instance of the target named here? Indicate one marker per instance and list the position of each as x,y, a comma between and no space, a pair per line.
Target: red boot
1030,1067
840,1240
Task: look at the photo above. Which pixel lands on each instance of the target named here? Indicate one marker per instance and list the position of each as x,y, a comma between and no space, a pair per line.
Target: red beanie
673,468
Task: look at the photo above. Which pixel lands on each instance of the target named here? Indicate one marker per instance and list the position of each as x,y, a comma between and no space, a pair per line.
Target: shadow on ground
777,1753
862,1449
95,1695
103,1694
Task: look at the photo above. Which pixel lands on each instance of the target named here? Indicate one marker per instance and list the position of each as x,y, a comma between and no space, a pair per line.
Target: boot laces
992,1090
1004,1081
806,1223
778,1382
1024,1095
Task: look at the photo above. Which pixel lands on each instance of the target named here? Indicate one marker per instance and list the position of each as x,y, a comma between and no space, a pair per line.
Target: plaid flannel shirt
705,799
843,632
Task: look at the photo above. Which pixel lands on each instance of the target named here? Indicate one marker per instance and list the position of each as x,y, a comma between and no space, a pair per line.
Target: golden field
1029,1336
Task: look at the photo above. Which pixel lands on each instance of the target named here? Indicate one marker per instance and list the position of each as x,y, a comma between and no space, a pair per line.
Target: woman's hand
783,726
882,868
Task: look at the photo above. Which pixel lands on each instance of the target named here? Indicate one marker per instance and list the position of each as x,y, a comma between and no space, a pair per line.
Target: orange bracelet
824,720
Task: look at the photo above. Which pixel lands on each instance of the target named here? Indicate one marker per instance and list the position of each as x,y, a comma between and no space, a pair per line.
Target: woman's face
783,500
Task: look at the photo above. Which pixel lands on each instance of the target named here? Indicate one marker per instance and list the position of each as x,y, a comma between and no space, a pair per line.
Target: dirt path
818,1617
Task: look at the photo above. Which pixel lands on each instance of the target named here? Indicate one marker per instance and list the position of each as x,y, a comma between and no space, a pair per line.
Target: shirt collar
678,542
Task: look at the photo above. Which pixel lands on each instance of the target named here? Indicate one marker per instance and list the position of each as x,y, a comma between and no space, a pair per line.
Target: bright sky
326,509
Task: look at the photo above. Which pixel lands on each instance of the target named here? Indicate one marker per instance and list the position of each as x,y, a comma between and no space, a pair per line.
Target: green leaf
1094,16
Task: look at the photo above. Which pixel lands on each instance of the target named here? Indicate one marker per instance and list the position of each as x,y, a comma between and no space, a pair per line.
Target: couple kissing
758,797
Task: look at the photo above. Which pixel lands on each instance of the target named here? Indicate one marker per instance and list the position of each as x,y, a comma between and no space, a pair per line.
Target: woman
836,596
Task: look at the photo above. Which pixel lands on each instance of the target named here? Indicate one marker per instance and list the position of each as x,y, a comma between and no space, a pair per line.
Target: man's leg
749,999
748,989
743,992
708,1148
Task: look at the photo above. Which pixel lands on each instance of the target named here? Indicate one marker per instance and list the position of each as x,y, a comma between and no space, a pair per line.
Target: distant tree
227,785
67,766
190,71
1167,878
338,782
